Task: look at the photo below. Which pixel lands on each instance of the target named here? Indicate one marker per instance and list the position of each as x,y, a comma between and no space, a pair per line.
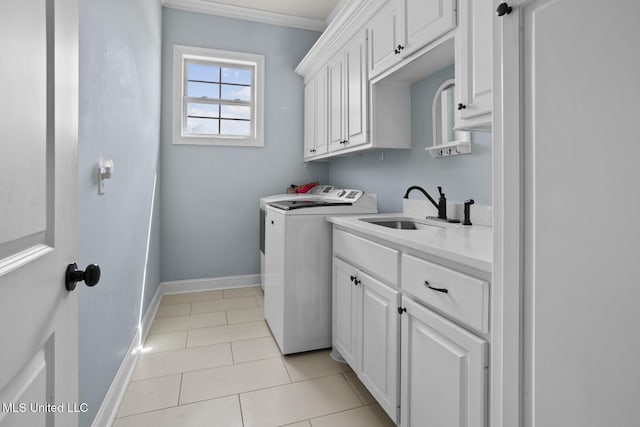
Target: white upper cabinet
402,27
348,95
424,21
315,115
473,65
385,35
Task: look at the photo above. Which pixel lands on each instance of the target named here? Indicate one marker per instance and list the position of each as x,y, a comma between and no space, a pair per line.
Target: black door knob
90,276
503,9
461,106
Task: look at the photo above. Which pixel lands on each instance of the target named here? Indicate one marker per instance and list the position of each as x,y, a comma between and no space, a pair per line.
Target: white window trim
180,53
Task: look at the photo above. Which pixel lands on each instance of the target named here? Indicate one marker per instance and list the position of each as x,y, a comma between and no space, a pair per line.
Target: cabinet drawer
375,258
466,299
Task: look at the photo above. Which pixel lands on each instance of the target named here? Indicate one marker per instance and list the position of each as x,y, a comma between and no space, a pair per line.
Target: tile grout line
241,413
270,387
180,388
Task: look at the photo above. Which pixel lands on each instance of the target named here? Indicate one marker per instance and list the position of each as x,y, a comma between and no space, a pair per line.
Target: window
218,97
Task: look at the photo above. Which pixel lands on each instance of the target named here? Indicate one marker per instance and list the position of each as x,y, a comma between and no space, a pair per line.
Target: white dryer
297,276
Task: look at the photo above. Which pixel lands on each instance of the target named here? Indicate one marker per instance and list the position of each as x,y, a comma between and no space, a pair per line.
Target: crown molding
247,14
350,17
342,4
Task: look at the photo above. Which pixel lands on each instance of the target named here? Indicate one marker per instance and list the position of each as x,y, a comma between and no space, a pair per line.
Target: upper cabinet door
385,36
424,21
321,140
336,101
473,64
309,118
356,90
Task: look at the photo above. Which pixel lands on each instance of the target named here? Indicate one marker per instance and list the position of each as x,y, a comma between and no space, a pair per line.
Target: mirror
446,140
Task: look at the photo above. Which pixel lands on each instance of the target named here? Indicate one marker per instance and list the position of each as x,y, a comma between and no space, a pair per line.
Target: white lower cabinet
389,325
443,371
366,332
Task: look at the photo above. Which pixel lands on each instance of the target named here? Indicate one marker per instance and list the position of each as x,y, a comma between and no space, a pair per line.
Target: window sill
223,142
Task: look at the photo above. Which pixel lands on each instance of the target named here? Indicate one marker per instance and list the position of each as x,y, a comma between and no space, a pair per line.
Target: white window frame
215,56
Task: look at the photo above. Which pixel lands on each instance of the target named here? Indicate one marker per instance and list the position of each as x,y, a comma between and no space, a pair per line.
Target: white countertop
468,245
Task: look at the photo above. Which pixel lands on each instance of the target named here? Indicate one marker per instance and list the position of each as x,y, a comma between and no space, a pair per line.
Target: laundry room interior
362,213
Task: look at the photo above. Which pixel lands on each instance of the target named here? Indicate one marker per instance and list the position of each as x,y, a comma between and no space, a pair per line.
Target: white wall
210,195
462,177
120,48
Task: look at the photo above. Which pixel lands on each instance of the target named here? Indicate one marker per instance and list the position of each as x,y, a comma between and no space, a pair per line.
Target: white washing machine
297,276
314,194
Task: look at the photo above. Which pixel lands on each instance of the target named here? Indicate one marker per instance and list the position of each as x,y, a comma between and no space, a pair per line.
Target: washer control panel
345,195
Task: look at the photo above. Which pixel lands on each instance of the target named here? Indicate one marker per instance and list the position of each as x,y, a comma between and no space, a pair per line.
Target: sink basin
400,223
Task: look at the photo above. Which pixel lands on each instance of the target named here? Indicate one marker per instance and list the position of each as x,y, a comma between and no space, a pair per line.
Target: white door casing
38,142
566,105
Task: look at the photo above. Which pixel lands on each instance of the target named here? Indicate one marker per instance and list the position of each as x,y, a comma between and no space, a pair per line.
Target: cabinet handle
272,222
357,282
443,290
401,310
503,9
353,278
461,106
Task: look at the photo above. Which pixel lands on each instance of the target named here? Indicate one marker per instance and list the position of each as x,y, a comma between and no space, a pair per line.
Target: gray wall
462,177
210,195
120,49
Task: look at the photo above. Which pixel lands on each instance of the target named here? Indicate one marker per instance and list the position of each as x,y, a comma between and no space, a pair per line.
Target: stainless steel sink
400,223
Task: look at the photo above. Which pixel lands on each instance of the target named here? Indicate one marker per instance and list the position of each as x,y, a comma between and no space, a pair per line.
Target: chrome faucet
442,202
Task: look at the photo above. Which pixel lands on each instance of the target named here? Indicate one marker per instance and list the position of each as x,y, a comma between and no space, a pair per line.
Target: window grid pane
233,116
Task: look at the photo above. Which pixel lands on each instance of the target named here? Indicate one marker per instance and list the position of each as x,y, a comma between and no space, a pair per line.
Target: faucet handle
440,191
467,212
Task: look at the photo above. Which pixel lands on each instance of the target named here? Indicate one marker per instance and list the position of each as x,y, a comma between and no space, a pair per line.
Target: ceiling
309,9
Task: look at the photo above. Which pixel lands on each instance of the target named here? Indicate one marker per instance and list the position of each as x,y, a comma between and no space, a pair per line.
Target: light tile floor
210,360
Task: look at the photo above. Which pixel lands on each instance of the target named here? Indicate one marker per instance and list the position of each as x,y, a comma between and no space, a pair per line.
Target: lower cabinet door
379,369
443,371
347,303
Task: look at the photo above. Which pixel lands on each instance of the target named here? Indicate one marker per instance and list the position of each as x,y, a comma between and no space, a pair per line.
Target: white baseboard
212,284
109,408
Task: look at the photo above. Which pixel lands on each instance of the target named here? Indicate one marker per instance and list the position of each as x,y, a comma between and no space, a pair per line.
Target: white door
384,38
336,102
424,21
443,372
380,342
321,95
309,118
347,309
473,63
579,96
356,90
38,139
